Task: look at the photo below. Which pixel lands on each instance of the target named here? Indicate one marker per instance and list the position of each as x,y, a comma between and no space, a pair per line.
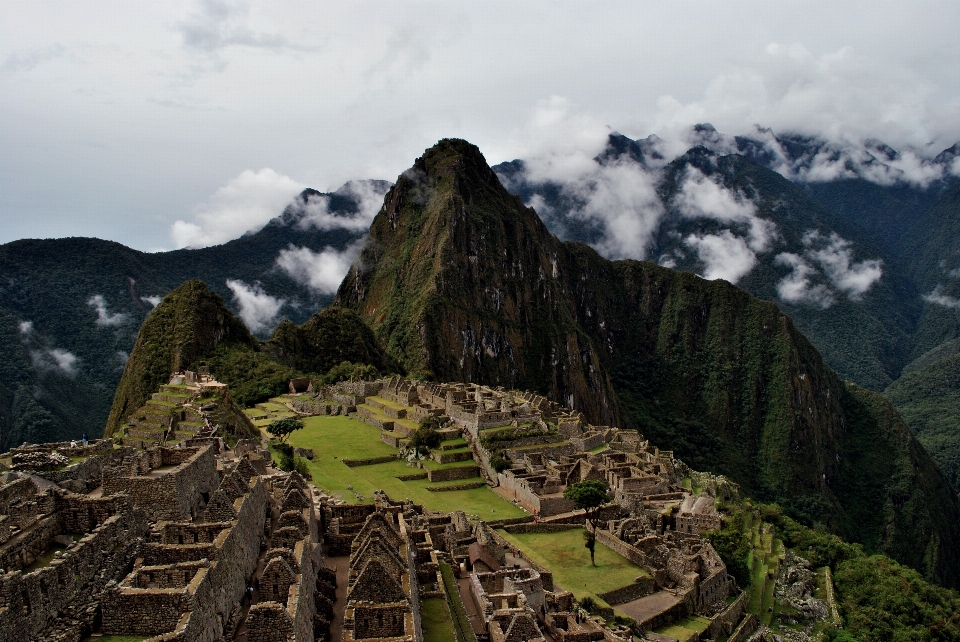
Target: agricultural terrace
333,438
566,556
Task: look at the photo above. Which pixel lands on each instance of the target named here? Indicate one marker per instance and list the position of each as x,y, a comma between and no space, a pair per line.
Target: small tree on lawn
426,437
589,495
283,427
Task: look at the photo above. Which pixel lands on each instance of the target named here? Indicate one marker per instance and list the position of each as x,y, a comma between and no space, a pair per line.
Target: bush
499,462
588,604
425,439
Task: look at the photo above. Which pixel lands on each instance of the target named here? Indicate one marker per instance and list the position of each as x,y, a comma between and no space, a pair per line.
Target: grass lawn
565,555
435,617
333,438
685,629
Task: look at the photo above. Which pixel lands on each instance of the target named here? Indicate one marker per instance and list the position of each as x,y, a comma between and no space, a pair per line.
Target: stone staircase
169,415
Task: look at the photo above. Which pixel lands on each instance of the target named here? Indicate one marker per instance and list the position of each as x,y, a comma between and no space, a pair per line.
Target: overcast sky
149,122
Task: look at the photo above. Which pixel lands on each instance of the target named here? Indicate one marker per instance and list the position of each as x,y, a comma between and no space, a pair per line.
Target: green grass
334,438
435,618
565,555
464,632
599,449
685,629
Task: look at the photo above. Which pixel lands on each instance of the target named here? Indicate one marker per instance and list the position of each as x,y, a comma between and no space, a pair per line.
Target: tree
589,495
426,437
282,428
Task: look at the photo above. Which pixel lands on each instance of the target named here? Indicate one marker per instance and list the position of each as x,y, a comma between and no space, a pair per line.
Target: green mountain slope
192,326
52,285
460,281
928,398
189,323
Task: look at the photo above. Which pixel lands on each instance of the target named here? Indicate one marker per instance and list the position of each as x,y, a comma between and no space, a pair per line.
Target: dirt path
342,566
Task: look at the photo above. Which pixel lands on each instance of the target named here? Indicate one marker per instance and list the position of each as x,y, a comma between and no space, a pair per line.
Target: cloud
796,287
700,197
619,196
26,327
26,60
323,271
257,308
725,256
245,204
219,23
104,318
835,256
314,210
840,95
123,357
938,298
152,300
55,359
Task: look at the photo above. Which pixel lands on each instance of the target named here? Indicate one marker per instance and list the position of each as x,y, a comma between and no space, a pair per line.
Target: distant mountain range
859,246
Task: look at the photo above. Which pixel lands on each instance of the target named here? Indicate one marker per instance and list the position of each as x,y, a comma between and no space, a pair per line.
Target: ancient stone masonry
166,546
64,548
659,513
382,589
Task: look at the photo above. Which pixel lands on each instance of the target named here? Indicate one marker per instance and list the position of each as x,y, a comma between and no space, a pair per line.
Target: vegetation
283,428
336,438
928,398
878,598
426,437
435,617
722,378
564,555
589,495
463,630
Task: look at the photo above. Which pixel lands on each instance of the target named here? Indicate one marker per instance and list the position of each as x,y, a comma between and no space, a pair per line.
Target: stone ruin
165,549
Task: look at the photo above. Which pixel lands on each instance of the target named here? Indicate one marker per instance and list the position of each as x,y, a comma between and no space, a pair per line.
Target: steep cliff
460,281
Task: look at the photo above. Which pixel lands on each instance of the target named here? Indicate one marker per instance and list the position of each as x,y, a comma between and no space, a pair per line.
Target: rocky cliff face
460,281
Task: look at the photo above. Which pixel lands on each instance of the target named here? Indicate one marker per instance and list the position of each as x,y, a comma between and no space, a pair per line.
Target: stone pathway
342,566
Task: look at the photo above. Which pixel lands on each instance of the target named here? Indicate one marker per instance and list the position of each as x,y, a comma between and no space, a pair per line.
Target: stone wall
173,495
86,474
638,589
452,474
623,549
31,602
725,623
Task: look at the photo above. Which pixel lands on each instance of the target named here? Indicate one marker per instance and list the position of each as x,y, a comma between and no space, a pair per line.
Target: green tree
589,495
426,437
282,428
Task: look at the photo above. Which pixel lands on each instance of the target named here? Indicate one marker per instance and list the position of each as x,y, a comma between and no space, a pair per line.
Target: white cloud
700,197
835,256
258,309
152,300
245,204
26,327
322,271
938,298
123,357
796,287
620,195
55,359
21,61
725,256
314,211
104,318
223,23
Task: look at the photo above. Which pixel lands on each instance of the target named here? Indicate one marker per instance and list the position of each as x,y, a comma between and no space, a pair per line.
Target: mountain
70,309
928,398
833,254
459,280
192,326
188,324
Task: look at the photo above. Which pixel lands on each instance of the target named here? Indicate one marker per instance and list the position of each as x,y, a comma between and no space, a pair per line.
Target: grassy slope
335,438
565,555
